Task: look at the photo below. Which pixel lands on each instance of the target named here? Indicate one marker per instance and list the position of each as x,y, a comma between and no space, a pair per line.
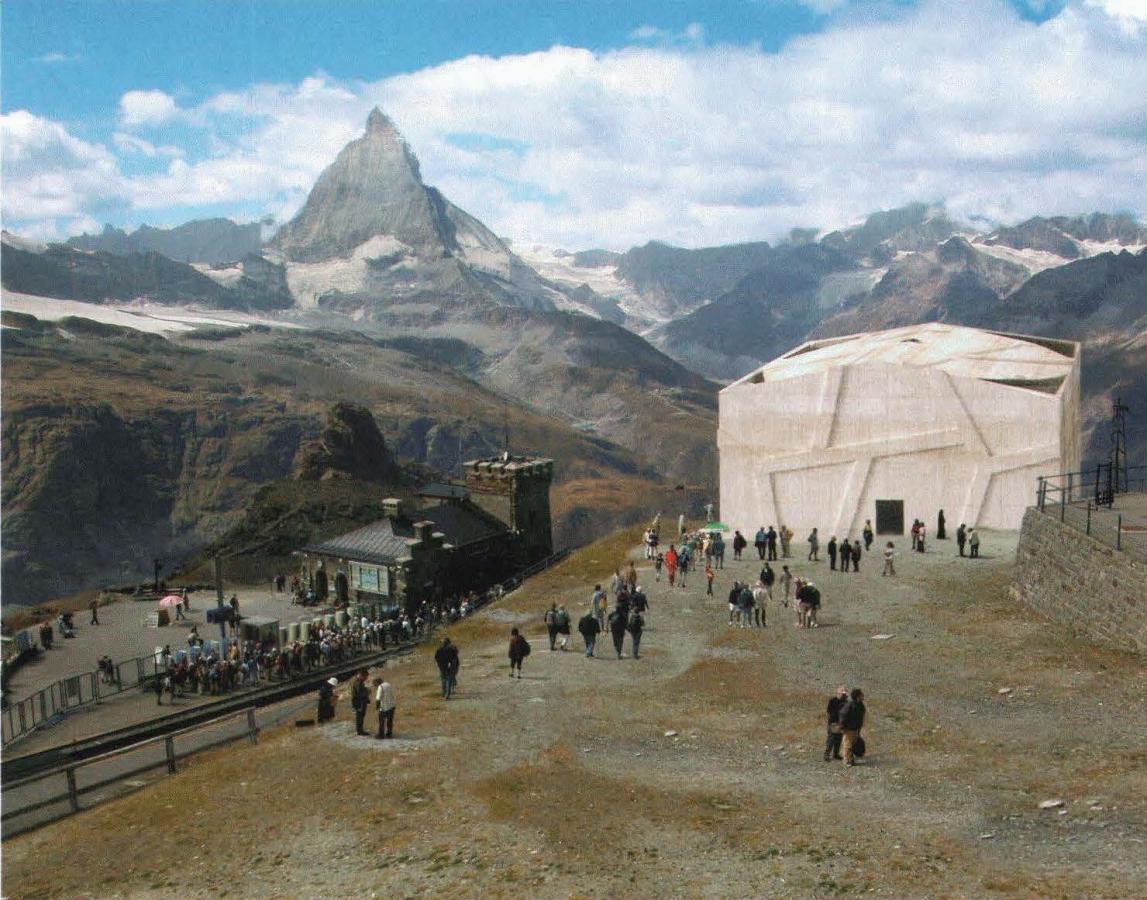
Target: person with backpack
636,627
768,578
563,625
618,622
639,601
519,650
739,544
869,535
851,721
835,733
589,628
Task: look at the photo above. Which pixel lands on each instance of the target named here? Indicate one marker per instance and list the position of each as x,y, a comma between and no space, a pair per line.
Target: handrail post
1089,517
1070,485
169,747
1119,532
73,794
251,727
95,687
1062,505
1041,493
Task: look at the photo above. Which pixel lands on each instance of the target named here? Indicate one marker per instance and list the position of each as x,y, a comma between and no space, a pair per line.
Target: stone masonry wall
1077,581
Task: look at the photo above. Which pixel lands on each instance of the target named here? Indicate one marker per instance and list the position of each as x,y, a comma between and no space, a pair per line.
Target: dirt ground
696,770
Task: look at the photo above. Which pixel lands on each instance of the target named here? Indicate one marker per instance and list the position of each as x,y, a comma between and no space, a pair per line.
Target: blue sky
586,123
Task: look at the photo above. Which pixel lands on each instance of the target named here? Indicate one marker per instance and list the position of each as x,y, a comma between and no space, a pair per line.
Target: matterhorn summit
372,236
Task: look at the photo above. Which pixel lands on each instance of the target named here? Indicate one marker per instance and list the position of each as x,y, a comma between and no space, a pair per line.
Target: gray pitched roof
373,543
386,541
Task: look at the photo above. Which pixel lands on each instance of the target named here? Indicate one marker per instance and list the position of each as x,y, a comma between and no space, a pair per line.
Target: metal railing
49,705
1091,484
47,796
1083,500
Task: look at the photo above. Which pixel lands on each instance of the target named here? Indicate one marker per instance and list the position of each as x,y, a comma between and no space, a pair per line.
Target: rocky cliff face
350,446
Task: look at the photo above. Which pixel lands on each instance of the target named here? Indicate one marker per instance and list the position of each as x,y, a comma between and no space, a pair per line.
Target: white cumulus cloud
55,183
960,101
147,108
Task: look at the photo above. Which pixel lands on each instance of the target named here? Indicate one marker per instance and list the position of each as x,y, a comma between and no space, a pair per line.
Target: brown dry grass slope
566,783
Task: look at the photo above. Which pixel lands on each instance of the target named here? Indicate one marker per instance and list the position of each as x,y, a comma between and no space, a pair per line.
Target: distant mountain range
385,293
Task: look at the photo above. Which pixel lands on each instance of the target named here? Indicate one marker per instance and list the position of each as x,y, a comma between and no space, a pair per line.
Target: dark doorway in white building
890,517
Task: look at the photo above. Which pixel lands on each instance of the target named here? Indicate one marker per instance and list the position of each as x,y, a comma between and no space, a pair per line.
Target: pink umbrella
171,600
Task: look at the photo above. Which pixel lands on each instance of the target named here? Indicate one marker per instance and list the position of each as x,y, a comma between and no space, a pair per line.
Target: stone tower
516,489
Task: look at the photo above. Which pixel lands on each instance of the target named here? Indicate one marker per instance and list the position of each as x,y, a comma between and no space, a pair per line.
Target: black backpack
525,646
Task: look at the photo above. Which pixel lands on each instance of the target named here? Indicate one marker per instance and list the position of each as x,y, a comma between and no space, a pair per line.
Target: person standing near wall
961,538
359,701
813,546
974,543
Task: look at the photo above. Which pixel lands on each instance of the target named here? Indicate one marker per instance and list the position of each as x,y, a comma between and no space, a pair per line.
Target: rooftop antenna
1119,445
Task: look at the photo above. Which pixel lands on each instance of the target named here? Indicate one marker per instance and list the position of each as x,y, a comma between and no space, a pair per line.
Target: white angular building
896,425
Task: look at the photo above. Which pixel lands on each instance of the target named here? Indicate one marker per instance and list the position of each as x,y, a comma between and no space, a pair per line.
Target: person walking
851,721
974,543
636,627
786,536
760,611
813,546
618,622
671,565
771,541
384,702
519,650
768,578
563,623
739,544
869,534
589,627
94,606
786,583
709,576
760,541
856,556
719,551
835,732
359,701
961,537
598,606
551,620
734,600
889,555
832,553
658,565
448,662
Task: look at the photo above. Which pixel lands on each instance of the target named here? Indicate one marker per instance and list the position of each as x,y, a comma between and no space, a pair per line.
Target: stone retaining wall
1077,581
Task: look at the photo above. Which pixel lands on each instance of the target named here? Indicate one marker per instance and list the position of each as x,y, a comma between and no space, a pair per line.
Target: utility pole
1119,446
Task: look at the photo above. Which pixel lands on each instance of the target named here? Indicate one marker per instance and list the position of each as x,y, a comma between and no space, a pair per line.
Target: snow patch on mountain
152,318
1036,261
560,267
310,281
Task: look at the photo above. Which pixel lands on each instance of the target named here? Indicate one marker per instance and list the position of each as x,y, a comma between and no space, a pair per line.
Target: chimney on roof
392,508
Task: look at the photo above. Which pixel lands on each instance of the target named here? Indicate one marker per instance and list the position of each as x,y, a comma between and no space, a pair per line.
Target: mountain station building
896,425
455,538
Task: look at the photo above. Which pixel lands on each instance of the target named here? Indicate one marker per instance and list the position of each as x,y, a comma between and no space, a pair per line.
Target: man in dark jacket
851,721
835,732
636,627
618,621
832,552
359,701
739,544
760,541
856,556
771,541
590,629
448,664
961,537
